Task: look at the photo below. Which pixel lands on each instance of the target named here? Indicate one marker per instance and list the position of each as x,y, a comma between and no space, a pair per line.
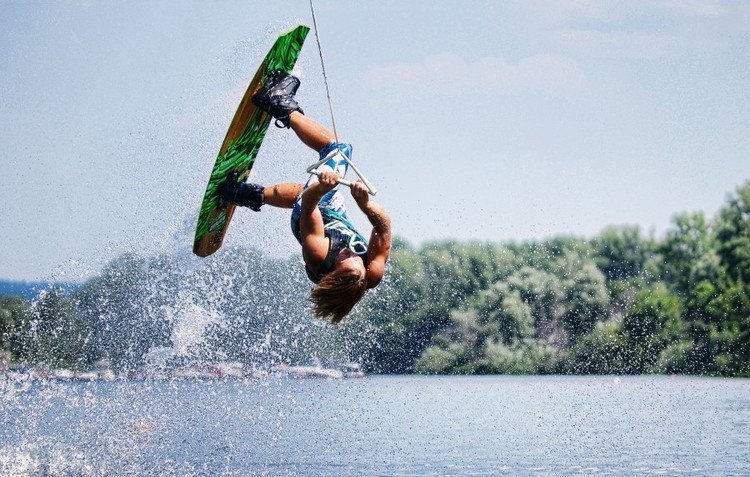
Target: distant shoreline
31,289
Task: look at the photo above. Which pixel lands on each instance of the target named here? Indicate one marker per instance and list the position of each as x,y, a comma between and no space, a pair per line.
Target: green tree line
622,302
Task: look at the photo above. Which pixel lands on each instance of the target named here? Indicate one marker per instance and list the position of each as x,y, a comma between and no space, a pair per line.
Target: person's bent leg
254,196
322,140
282,195
313,134
276,98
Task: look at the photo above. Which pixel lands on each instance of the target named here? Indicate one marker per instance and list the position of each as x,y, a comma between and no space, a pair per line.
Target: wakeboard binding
276,97
244,194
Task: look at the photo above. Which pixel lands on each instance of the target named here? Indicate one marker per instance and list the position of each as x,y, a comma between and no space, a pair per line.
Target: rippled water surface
378,426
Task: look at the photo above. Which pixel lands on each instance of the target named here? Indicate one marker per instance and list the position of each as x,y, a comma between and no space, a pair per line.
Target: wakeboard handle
313,169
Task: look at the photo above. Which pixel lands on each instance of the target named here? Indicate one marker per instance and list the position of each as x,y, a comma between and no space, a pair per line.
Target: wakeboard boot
276,97
244,194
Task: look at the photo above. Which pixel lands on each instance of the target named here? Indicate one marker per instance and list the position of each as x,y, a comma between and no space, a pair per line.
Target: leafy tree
52,334
622,252
679,357
718,306
733,234
13,311
602,351
444,358
496,315
585,294
543,293
686,250
544,255
720,324
414,304
650,324
526,357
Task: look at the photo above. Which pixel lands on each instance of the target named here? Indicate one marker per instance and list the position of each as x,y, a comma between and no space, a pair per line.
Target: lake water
379,426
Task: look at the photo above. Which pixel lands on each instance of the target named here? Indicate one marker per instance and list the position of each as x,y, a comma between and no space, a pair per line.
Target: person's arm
379,247
314,242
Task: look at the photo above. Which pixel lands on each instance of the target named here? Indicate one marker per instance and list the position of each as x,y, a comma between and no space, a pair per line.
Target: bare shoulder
378,252
377,256
314,251
375,272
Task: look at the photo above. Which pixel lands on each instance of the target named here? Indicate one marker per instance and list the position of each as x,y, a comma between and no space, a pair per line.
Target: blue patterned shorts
333,201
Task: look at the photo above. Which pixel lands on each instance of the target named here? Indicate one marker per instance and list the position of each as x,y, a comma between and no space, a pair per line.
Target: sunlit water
379,426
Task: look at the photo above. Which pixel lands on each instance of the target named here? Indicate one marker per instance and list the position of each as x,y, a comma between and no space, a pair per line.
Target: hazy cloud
618,44
697,8
448,73
555,11
641,29
598,11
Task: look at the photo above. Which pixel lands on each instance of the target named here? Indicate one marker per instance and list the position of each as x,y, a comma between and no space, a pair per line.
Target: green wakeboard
242,143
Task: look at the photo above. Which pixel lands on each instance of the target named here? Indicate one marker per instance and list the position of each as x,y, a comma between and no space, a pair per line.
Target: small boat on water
86,376
63,374
311,372
230,370
353,370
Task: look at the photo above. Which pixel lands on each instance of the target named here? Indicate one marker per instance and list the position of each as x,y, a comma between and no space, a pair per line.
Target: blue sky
475,120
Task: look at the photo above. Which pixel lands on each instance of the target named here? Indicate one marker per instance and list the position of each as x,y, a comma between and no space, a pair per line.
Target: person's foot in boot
241,193
276,97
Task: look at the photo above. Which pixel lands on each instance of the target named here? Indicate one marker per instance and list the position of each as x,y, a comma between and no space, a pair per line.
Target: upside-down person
341,262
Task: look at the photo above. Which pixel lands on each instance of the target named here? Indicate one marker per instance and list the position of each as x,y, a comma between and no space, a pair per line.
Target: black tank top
342,234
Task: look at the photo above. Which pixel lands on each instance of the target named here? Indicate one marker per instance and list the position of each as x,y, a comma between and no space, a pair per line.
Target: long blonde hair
337,293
